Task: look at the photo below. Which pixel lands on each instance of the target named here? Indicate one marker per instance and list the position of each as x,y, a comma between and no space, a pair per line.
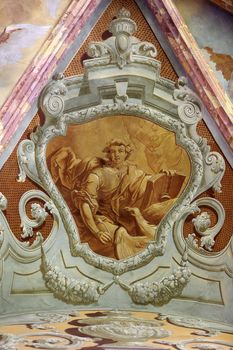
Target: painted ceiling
26,27
214,41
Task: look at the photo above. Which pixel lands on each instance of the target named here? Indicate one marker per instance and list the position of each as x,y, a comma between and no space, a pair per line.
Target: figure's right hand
104,237
133,211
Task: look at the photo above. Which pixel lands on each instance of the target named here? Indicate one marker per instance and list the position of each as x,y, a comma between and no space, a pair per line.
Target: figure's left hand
104,237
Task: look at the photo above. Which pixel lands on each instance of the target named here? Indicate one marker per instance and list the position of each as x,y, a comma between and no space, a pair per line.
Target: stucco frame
111,74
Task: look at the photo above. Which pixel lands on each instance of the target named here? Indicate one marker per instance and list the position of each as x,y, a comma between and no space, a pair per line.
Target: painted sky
212,28
24,26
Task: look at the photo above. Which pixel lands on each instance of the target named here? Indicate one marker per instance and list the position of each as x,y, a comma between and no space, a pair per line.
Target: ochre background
150,143
8,175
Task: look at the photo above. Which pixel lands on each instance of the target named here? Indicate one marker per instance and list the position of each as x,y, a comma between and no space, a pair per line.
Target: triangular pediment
121,185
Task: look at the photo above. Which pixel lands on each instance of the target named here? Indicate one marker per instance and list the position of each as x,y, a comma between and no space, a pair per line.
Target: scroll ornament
190,113
39,214
53,103
202,224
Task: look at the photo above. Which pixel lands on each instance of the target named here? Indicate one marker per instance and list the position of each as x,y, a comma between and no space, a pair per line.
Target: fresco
24,27
119,176
222,66
215,41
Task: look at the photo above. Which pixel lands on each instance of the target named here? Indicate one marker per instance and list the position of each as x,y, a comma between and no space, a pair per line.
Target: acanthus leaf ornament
38,214
27,231
202,222
192,241
215,169
96,50
26,161
183,93
144,49
37,241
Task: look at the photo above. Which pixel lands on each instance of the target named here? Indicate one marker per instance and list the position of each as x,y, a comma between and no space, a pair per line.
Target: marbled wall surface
24,26
212,28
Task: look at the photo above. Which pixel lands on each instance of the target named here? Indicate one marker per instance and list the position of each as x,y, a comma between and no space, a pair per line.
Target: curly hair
118,142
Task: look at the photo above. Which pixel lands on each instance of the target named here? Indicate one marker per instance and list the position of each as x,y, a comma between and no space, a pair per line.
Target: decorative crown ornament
122,47
123,23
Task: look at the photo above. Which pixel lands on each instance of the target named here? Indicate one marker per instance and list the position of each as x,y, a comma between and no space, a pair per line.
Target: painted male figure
108,194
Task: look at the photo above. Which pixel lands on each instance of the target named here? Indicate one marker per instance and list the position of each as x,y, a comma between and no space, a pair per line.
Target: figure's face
117,154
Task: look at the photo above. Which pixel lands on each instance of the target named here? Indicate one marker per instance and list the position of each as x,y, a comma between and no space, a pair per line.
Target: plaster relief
122,164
